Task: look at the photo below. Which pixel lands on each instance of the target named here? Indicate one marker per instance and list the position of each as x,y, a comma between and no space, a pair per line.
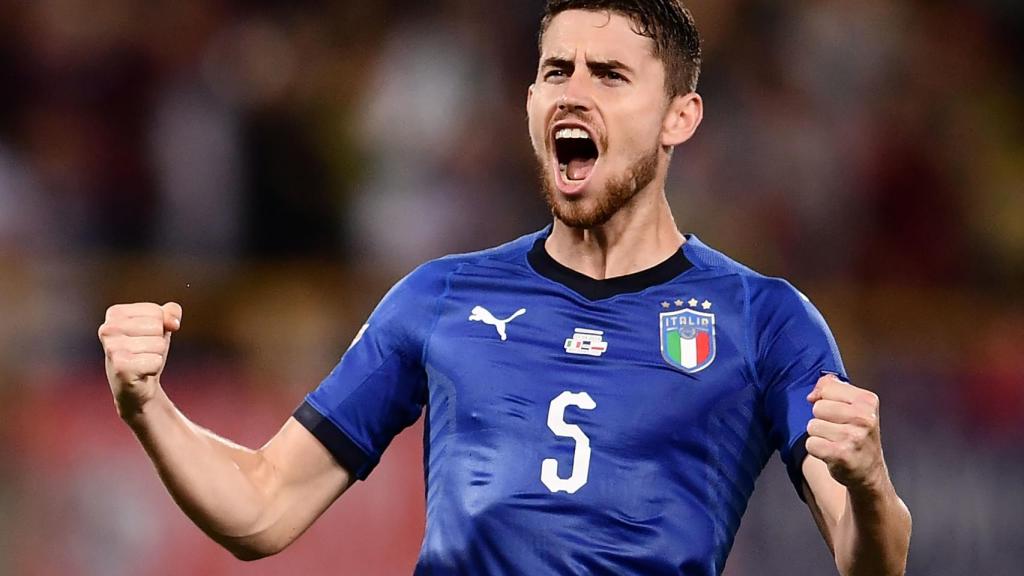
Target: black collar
593,289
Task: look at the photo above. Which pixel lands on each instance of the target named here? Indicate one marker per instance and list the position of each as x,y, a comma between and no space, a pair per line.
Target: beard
599,209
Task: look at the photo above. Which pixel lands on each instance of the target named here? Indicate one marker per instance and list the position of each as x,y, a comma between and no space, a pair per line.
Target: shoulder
409,309
785,329
767,297
714,262
431,279
510,255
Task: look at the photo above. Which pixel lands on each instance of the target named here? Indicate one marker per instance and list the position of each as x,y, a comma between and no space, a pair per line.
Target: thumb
816,393
172,316
814,396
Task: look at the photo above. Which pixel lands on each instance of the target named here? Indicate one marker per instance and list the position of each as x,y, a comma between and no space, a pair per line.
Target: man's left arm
848,489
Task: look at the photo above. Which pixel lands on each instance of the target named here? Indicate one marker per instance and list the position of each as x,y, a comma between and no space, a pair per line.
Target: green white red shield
688,339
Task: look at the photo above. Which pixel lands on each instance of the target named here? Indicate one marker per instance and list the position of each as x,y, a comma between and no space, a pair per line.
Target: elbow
250,553
250,550
246,554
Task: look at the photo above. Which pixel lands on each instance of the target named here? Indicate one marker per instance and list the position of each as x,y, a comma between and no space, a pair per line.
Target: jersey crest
688,339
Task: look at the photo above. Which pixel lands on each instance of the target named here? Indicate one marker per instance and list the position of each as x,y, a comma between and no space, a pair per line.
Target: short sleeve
793,349
379,386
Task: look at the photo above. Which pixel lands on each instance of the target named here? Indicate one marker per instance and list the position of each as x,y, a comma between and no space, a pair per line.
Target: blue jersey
580,426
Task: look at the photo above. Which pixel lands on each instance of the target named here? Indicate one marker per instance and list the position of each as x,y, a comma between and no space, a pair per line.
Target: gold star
693,302
679,303
665,304
706,305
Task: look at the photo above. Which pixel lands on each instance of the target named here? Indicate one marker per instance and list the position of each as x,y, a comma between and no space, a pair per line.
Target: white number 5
581,457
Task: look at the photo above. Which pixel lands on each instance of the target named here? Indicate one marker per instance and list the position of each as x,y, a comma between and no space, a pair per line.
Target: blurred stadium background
276,166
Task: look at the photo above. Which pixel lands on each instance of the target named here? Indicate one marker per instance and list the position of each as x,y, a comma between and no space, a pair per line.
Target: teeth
577,133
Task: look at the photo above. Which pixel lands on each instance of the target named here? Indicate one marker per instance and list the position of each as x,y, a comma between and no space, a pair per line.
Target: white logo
481,314
586,343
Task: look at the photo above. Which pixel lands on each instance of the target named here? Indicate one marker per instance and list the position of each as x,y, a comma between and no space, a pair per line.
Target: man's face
596,113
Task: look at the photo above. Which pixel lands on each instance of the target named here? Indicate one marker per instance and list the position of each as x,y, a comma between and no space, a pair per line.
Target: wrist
876,489
136,412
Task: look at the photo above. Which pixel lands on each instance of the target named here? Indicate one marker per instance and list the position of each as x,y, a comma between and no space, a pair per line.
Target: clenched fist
136,338
844,432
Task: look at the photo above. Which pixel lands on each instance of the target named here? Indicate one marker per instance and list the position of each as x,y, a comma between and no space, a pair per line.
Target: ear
682,118
529,96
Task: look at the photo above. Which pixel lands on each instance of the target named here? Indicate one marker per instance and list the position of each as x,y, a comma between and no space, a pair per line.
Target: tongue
579,168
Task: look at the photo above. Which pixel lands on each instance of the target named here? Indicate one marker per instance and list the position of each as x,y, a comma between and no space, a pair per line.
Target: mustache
571,115
583,118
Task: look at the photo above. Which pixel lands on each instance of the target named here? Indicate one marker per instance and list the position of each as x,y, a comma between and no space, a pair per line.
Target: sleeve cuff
797,454
344,450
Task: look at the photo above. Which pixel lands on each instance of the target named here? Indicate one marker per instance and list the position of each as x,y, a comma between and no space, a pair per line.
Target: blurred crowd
276,166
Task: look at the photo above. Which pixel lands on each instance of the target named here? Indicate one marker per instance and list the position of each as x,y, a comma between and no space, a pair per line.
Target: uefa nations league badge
688,336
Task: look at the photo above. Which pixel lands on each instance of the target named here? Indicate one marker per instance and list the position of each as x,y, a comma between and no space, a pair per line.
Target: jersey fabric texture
580,426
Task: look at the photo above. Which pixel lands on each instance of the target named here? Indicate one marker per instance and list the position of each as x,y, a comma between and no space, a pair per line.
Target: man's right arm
252,502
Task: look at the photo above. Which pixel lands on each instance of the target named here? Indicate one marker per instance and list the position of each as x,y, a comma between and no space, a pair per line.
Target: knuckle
870,398
863,422
842,452
109,329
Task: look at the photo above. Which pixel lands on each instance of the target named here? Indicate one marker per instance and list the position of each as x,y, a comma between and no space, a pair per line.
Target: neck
639,236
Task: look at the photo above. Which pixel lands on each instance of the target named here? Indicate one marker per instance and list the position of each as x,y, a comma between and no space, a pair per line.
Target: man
600,395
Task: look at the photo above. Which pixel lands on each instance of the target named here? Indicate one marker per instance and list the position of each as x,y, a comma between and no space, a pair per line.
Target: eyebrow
594,65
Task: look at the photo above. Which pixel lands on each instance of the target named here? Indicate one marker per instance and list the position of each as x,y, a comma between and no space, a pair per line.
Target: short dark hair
667,22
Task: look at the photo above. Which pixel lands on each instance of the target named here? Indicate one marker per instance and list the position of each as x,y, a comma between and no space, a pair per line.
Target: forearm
254,503
872,537
222,487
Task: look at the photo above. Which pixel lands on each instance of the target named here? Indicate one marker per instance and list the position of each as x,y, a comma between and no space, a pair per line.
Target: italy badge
688,339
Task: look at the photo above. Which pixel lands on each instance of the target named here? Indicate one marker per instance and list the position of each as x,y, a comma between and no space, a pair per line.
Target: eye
555,74
612,77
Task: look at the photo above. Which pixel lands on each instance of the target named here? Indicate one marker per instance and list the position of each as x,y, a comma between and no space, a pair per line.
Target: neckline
594,289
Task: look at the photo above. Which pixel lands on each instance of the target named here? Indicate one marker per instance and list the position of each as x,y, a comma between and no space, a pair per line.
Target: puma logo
481,314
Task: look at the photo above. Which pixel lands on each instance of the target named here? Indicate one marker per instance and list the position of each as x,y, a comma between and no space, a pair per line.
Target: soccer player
599,396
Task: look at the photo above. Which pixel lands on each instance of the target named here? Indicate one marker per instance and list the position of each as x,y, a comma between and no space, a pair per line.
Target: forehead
598,34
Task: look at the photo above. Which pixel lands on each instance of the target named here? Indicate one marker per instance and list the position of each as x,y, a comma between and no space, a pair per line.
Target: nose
577,95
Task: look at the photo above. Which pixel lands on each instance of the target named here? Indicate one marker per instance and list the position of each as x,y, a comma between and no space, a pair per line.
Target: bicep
825,497
303,479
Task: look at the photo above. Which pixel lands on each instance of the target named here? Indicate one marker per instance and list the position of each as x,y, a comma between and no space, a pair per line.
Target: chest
506,358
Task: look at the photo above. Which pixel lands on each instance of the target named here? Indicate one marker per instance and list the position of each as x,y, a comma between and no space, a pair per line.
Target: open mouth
576,154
